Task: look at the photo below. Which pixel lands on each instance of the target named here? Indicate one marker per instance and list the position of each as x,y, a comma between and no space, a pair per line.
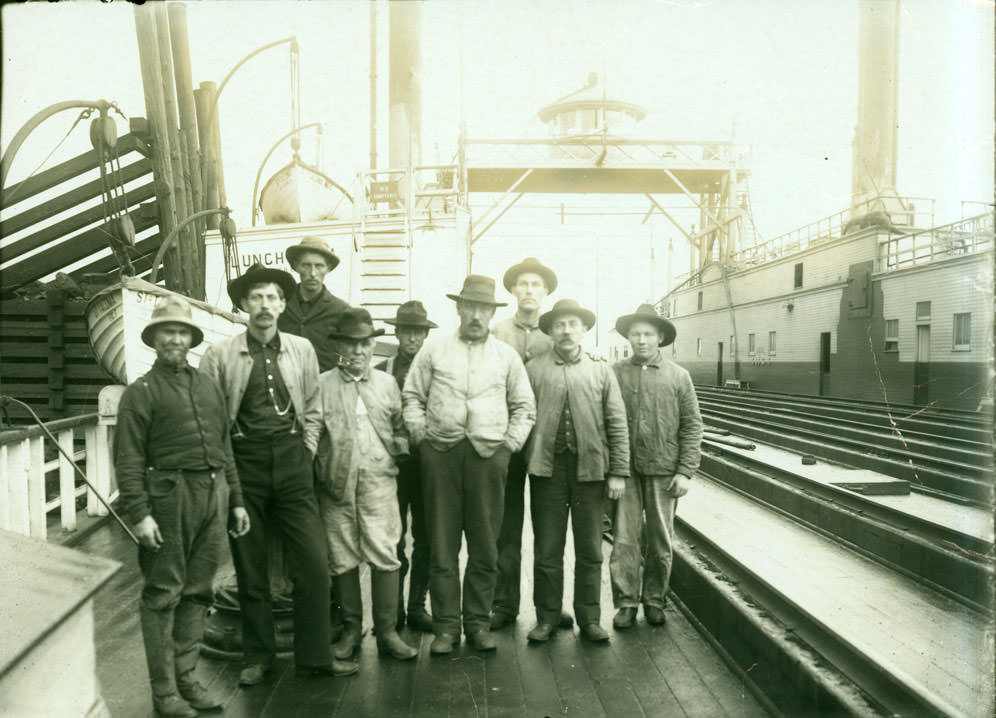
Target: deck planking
644,672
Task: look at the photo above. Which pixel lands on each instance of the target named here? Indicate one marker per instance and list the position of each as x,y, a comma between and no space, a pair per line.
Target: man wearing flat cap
312,310
363,435
411,328
530,283
577,455
178,482
270,381
665,431
468,407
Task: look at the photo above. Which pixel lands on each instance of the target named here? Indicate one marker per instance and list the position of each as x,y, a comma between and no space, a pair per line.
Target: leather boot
418,618
348,589
157,634
384,590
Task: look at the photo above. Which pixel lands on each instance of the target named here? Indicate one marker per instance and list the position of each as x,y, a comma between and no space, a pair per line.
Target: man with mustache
468,407
312,310
270,381
178,481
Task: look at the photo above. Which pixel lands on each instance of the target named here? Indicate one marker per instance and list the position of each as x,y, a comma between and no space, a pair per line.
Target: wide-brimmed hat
316,245
412,314
478,288
530,264
566,306
257,273
647,313
354,323
172,309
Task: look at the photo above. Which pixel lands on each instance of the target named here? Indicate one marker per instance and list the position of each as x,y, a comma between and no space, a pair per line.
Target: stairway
385,266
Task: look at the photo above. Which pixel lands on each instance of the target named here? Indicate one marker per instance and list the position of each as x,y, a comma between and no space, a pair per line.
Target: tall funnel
874,149
404,90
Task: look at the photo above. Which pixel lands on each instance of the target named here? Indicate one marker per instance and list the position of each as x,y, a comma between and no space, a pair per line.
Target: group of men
288,429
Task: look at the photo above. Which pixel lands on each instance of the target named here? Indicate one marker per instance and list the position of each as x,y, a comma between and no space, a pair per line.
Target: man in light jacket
578,453
468,407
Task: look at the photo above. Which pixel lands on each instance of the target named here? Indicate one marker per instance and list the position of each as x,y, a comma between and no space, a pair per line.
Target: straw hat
312,244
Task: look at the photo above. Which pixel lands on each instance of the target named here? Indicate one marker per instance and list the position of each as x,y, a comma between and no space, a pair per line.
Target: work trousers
190,508
507,589
642,548
552,499
464,496
278,487
411,500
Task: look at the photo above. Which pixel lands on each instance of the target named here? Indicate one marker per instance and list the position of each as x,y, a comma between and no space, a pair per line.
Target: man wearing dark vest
312,310
411,327
270,381
178,482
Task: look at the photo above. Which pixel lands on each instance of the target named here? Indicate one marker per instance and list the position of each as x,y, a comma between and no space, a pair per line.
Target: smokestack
404,91
874,149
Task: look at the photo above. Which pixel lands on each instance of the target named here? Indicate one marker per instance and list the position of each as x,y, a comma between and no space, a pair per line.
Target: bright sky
784,73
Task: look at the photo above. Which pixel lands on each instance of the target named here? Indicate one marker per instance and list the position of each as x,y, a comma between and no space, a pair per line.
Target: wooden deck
645,671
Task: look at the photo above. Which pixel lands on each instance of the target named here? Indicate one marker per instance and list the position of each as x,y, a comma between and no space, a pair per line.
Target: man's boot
384,590
188,631
348,588
157,635
418,618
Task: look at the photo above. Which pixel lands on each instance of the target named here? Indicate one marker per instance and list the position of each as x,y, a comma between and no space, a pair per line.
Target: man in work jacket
411,327
578,453
312,310
530,283
468,407
270,380
178,482
665,431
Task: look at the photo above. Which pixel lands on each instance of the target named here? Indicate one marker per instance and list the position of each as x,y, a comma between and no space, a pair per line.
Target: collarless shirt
527,340
266,408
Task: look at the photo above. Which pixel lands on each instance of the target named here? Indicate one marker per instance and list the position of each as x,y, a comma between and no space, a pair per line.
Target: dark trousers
410,499
278,486
553,498
464,496
190,508
510,538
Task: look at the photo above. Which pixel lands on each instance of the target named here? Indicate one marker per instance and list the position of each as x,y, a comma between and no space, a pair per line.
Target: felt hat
172,309
411,314
530,264
354,323
480,289
566,306
257,273
647,313
312,244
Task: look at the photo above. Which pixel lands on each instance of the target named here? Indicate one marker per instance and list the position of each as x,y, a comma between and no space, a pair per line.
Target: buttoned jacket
382,399
475,390
314,321
665,427
597,413
229,363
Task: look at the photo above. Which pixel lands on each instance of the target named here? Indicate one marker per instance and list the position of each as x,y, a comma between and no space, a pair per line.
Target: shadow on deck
644,671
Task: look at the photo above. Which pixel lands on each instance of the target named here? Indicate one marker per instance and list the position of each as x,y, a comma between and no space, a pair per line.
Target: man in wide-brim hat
270,381
362,435
312,310
665,433
577,455
468,407
411,328
530,282
178,483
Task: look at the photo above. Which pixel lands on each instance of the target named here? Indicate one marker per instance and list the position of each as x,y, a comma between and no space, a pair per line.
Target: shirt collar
160,365
255,345
460,338
655,361
523,325
562,360
352,377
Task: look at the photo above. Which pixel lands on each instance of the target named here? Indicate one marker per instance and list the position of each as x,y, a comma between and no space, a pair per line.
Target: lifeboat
301,193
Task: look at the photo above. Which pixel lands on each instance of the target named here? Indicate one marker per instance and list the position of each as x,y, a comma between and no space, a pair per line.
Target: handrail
8,436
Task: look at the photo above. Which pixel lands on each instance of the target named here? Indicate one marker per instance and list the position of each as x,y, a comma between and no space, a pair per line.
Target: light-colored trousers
642,549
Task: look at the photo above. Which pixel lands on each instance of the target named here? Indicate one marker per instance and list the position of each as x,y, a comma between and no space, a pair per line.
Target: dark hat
477,288
566,306
647,313
172,309
354,323
530,264
257,273
316,245
412,314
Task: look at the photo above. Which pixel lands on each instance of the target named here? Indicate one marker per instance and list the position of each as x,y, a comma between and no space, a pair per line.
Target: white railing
968,236
419,192
613,150
33,487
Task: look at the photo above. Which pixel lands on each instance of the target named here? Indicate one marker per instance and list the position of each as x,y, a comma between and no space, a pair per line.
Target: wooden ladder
385,266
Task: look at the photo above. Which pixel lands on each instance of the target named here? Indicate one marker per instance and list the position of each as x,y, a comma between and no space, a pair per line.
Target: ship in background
875,302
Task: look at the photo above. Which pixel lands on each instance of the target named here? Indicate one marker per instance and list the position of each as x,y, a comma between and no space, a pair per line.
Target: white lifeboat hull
298,193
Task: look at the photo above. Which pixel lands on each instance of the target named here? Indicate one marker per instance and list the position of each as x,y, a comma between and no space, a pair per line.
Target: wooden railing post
36,487
67,483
